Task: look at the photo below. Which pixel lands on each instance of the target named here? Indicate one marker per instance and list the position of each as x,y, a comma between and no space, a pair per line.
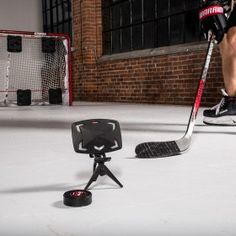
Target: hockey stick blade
176,147
157,149
162,149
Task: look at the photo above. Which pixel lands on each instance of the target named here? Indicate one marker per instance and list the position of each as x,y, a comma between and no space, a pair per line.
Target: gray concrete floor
190,194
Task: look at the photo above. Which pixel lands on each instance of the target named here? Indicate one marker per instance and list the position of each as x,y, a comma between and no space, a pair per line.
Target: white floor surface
193,194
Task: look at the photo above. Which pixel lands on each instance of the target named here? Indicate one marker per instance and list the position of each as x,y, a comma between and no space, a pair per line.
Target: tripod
99,168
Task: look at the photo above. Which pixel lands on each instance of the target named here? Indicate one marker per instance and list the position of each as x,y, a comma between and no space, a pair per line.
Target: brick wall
167,78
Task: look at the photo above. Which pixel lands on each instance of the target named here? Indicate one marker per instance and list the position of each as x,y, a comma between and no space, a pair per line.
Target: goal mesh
33,69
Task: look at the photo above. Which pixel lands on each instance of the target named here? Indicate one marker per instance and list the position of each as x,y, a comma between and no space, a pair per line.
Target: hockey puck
77,198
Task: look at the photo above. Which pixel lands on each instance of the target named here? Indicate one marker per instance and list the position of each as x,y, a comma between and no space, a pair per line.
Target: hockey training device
96,138
176,147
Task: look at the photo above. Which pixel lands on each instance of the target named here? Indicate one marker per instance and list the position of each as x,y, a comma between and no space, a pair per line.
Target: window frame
111,46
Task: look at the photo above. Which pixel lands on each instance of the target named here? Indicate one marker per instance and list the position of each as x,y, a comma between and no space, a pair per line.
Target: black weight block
23,97
48,45
55,96
14,43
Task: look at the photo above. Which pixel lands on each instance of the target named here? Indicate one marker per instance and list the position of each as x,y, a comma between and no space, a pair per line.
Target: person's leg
224,113
228,54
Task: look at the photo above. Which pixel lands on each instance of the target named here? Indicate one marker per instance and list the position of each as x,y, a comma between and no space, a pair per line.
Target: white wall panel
21,15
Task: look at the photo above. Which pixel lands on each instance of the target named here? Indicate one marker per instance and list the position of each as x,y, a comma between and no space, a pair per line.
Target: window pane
149,35
149,9
107,43
48,18
125,13
193,4
43,5
67,5
67,9
46,29
162,8
60,14
67,27
106,19
53,29
177,29
54,3
177,6
48,5
106,3
116,41
60,28
136,11
116,16
126,39
137,36
191,26
44,18
54,12
69,32
163,32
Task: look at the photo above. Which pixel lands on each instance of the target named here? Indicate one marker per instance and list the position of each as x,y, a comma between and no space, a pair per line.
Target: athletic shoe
224,113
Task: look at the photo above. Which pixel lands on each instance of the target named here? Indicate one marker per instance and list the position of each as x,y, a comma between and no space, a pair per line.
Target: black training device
96,137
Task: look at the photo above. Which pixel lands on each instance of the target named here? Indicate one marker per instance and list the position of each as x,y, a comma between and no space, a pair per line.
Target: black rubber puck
77,198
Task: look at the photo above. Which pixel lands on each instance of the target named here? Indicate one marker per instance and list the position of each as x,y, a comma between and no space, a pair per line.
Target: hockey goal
35,68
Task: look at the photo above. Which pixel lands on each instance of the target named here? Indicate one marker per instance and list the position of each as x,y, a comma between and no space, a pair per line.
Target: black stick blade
157,149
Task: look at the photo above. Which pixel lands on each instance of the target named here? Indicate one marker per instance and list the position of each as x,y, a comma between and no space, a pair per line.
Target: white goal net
34,68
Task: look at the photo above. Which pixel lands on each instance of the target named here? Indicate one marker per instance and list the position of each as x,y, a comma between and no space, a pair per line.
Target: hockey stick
176,147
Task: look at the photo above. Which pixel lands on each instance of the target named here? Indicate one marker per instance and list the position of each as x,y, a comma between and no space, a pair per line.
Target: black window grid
57,16
171,22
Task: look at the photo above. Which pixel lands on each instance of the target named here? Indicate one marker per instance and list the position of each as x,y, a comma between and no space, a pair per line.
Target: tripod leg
94,166
109,173
93,178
